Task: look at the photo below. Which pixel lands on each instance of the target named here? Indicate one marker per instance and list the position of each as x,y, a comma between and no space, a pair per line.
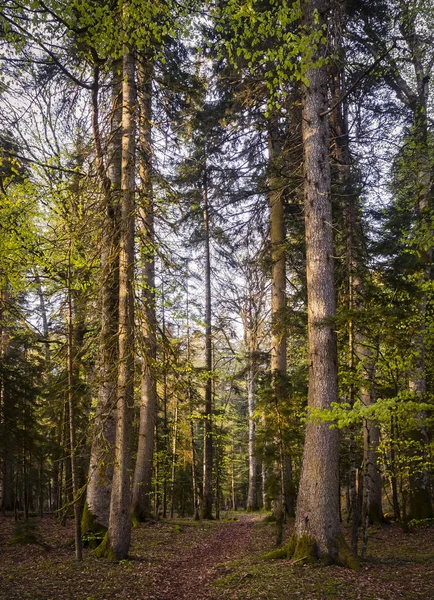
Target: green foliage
99,30
341,414
269,38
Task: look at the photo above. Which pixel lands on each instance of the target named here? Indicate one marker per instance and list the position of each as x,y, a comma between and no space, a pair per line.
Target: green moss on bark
105,550
135,521
304,547
346,557
295,549
92,532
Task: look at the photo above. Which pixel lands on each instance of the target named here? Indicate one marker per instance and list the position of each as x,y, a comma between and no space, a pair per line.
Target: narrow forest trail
189,576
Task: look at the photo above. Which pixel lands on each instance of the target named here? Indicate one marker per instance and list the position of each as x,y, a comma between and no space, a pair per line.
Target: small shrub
26,532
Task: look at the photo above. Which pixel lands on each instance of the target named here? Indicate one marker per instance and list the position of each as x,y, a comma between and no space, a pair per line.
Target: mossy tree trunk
278,306
97,508
142,486
117,540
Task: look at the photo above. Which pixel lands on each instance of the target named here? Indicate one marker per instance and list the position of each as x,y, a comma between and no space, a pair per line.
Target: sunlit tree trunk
317,516
117,541
194,477
174,450
6,457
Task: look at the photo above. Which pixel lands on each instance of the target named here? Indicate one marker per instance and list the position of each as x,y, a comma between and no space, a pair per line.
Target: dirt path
189,576
170,560
182,559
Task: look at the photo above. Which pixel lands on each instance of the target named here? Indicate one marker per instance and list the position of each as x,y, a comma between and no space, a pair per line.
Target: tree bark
71,407
142,487
174,449
97,508
207,500
252,494
318,499
278,304
117,541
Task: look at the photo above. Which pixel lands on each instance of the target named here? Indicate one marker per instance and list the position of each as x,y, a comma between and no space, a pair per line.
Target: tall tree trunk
208,442
71,407
252,305
394,470
174,450
278,305
252,494
117,541
278,275
318,498
6,456
97,508
142,487
194,477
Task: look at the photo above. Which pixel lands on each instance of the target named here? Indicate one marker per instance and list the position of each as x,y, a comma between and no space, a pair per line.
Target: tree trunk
420,501
117,541
71,407
252,494
142,487
208,446
97,508
174,444
194,477
318,500
278,303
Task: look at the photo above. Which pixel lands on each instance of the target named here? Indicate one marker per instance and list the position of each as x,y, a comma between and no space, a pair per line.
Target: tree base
207,515
92,532
420,505
105,550
305,549
137,518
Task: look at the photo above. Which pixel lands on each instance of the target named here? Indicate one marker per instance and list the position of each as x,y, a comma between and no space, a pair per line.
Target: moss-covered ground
229,559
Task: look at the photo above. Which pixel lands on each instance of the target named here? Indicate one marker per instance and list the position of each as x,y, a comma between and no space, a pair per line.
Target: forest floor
186,560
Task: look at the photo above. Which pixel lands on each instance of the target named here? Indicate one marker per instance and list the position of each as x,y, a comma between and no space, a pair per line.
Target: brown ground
184,560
